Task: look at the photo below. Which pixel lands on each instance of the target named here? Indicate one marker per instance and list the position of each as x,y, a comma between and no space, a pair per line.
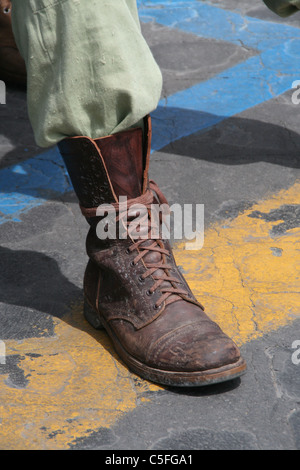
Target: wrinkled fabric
283,7
90,71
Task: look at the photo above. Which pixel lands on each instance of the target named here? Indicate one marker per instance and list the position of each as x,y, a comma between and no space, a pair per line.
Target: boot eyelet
6,10
132,263
156,307
141,279
148,292
127,251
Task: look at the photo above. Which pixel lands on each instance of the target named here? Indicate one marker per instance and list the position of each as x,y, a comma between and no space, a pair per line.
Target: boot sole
166,377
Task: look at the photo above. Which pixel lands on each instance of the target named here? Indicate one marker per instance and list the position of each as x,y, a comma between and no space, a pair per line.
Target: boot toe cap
194,347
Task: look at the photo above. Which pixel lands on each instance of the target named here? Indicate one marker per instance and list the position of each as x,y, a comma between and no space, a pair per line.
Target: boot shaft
101,170
12,65
6,36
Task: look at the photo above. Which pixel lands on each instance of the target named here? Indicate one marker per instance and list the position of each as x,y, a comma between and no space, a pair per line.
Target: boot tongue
123,157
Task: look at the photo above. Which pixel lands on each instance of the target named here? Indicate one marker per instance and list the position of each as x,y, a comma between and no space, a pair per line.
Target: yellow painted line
243,284
75,382
76,385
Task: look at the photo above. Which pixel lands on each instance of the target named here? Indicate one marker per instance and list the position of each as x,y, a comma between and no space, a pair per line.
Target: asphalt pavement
226,136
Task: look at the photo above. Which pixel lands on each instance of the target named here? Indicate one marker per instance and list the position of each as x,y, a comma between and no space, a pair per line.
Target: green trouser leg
283,7
90,71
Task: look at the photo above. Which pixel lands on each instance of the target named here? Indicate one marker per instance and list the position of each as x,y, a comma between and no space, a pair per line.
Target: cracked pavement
62,386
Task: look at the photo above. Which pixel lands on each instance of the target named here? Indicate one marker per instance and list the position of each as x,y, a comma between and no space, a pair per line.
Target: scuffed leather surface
176,335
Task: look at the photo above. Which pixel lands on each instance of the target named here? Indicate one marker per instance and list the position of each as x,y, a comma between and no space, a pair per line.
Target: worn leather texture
134,285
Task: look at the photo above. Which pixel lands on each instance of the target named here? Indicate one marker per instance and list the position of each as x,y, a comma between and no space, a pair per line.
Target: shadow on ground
34,282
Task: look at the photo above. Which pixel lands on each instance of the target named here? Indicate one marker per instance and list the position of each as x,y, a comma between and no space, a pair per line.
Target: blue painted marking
209,21
260,78
246,85
31,183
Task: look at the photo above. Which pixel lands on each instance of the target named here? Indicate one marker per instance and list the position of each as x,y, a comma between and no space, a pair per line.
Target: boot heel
91,316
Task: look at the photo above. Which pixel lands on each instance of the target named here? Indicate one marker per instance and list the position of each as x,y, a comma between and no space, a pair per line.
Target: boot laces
169,286
143,242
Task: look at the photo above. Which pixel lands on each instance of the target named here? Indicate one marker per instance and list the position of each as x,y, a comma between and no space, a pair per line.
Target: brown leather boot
12,66
132,286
